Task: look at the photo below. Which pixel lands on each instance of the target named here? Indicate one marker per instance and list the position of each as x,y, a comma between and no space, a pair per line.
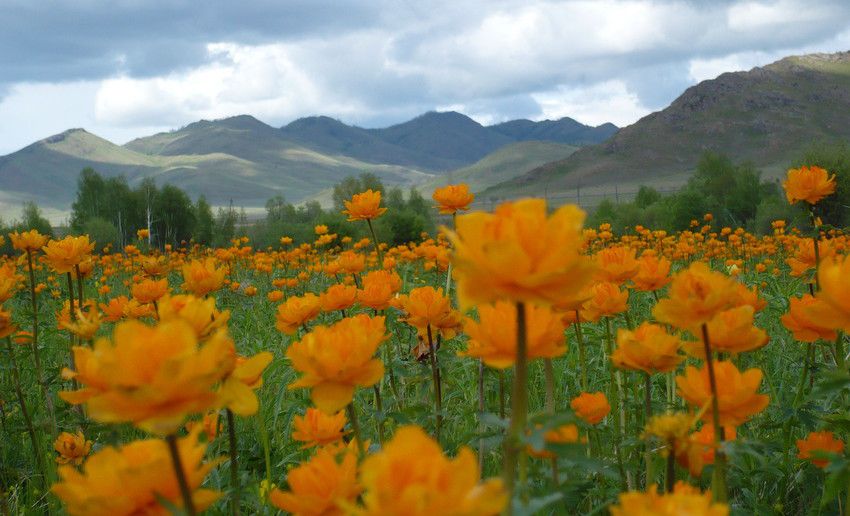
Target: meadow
517,362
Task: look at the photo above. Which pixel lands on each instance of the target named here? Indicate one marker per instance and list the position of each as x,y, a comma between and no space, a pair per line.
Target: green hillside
767,115
506,163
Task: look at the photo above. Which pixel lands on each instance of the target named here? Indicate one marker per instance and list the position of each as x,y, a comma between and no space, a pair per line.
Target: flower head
334,360
411,476
680,501
616,264
28,241
72,448
800,322
237,391
322,486
592,407
364,206
649,348
810,184
315,428
519,253
453,198
338,297
200,277
63,255
152,377
201,314
149,290
494,337
653,273
737,396
819,443
427,306
297,311
134,478
696,295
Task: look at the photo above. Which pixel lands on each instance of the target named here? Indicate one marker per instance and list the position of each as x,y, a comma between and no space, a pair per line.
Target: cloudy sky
127,68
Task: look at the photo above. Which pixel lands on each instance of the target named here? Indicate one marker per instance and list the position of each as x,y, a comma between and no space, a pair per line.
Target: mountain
767,115
505,163
565,130
237,158
436,141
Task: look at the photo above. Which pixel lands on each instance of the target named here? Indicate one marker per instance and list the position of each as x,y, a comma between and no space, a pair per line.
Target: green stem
355,427
435,377
514,451
719,477
188,503
549,371
582,355
42,381
234,466
614,394
379,417
647,407
480,414
377,245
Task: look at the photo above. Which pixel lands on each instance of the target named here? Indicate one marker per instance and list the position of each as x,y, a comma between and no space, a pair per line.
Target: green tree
204,222
32,218
90,200
345,189
835,158
101,231
646,196
175,216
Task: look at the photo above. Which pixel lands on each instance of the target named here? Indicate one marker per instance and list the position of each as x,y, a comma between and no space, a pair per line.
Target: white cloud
609,101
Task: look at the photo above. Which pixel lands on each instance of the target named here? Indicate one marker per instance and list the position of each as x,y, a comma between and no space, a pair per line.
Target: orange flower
799,321
381,277
730,331
817,443
336,359
200,277
493,339
28,241
696,295
297,311
564,434
237,391
375,295
72,448
315,428
616,264
649,348
154,265
63,255
427,306
321,229
653,273
592,407
208,424
519,253
274,296
737,398
338,297
804,258
364,206
148,290
606,299
833,311
152,377
10,282
134,478
683,500
84,325
810,184
411,476
322,486
699,449
114,309
453,198
201,314
7,327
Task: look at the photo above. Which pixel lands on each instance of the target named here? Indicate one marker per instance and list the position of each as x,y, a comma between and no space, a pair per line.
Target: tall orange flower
335,360
200,277
338,297
819,442
451,199
426,306
592,407
315,428
151,377
237,391
200,313
732,331
322,486
519,253
134,478
833,311
494,338
411,476
72,448
606,299
364,206
737,396
696,295
28,241
10,282
148,290
653,272
616,264
63,255
683,500
649,348
810,184
802,325
297,311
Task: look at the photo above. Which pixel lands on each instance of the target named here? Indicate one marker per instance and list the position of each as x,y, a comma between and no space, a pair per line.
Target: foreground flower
833,310
134,478
201,314
802,324
72,448
683,500
411,476
338,297
237,391
616,264
151,377
519,253
592,407
730,331
315,428
364,206
334,360
63,255
652,274
696,295
819,443
453,198
737,396
322,486
494,338
810,184
200,277
649,349
297,311
427,306
149,291
28,241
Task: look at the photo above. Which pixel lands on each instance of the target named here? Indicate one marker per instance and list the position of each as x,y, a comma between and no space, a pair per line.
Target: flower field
517,363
